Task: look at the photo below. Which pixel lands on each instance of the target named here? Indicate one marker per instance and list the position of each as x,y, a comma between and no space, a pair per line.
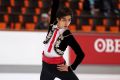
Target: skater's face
64,22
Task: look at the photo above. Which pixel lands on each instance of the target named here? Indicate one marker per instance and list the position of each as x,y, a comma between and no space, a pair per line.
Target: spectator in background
92,6
94,10
44,22
96,7
105,7
110,7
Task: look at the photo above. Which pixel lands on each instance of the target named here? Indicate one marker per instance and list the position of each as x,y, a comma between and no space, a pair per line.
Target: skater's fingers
62,69
62,66
59,67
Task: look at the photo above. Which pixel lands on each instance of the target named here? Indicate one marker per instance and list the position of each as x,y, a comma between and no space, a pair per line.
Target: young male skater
57,40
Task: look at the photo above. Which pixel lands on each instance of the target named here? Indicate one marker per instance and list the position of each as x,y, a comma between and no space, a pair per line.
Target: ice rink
35,76
84,72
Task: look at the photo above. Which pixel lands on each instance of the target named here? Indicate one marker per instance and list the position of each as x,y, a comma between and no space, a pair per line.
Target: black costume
49,70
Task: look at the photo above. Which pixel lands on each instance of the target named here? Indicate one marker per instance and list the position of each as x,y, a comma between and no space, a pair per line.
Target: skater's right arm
54,8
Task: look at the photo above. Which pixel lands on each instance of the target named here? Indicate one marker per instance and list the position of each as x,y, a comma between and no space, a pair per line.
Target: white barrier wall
22,48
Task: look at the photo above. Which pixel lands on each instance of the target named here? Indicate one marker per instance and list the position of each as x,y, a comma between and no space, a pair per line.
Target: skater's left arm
70,40
78,51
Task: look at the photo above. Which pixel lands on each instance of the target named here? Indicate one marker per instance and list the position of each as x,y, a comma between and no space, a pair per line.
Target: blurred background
95,25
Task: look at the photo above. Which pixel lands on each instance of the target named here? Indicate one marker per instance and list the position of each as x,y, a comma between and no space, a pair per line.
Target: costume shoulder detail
67,33
61,37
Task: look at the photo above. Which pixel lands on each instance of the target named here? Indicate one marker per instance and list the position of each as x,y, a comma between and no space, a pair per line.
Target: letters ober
107,45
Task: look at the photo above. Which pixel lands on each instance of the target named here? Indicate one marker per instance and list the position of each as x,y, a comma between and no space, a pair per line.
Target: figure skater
57,40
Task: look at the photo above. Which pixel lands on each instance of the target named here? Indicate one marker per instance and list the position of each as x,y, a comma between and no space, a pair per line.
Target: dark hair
63,11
